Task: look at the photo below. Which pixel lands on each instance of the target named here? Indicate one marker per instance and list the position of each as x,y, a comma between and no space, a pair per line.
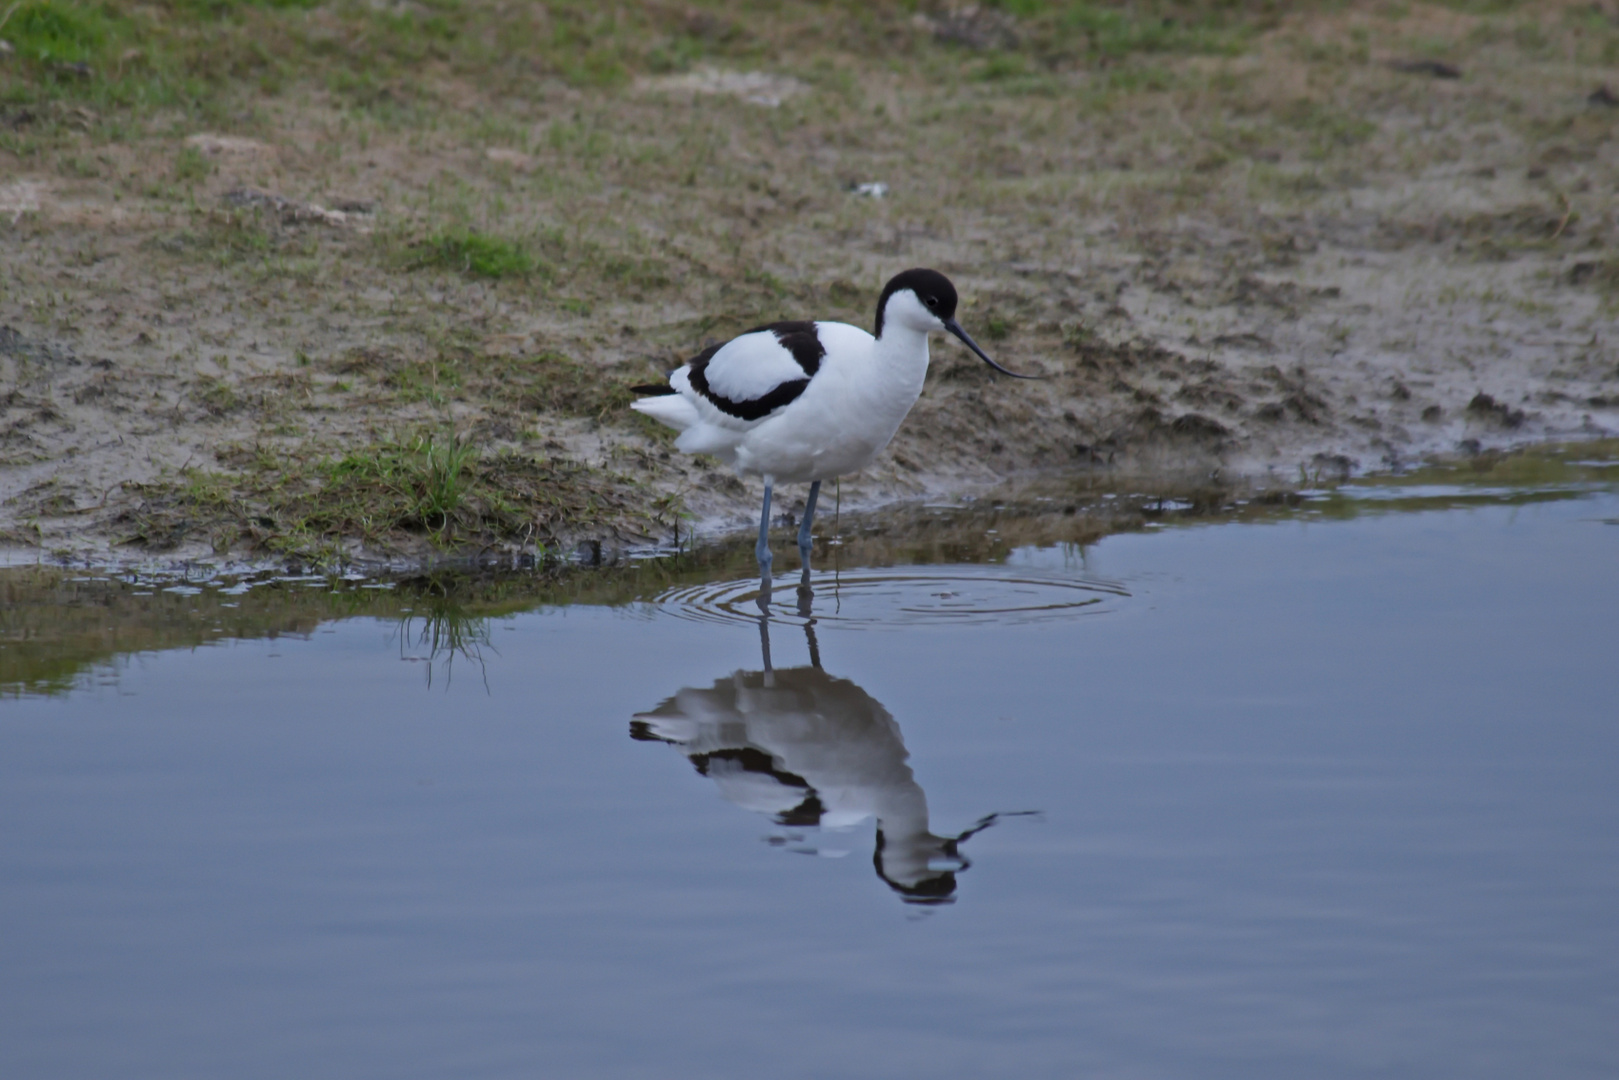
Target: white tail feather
671,409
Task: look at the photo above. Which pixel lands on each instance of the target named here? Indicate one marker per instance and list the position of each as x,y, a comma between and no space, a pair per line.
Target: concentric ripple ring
901,597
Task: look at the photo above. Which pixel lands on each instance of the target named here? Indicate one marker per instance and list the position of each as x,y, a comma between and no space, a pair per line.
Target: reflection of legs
764,646
814,646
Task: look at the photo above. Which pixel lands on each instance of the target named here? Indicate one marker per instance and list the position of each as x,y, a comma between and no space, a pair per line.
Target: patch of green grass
1004,65
226,238
215,396
432,381
430,491
183,53
430,475
1482,7
1134,78
476,255
1116,30
997,328
1266,180
191,165
82,168
1119,31
56,32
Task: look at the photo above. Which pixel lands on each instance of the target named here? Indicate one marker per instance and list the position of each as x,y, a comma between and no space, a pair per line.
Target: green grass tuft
52,32
427,477
476,255
191,165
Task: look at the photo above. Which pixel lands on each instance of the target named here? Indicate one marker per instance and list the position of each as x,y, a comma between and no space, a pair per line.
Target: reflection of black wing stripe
800,339
806,814
760,407
751,760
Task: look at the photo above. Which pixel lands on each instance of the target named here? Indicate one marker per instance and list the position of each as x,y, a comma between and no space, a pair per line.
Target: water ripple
901,597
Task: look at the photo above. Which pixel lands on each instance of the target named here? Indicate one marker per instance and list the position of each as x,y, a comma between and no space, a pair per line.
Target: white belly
832,430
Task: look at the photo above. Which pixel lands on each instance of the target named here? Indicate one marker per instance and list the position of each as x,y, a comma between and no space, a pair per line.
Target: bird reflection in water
812,750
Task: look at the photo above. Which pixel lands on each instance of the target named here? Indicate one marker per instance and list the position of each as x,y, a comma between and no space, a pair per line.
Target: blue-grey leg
805,540
806,595
762,549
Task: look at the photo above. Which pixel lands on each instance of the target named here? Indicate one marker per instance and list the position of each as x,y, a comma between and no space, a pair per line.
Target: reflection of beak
955,328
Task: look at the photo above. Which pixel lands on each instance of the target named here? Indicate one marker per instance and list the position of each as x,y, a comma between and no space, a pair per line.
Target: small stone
515,158
1437,69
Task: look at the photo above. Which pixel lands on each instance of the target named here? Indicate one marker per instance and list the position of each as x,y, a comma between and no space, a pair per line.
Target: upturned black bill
955,328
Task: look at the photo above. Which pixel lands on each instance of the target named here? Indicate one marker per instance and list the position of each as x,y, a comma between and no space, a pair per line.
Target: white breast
848,412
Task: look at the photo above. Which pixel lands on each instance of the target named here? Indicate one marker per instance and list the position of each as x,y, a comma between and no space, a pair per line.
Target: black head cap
930,287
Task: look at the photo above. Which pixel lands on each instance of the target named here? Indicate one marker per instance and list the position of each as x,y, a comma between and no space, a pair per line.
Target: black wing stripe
799,338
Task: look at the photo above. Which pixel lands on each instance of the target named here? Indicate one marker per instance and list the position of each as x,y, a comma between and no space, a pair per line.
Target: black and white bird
803,402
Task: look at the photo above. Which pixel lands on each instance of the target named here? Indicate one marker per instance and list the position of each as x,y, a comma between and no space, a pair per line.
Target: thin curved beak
955,328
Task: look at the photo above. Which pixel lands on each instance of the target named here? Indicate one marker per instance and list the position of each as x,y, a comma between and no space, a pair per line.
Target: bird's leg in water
804,537
762,549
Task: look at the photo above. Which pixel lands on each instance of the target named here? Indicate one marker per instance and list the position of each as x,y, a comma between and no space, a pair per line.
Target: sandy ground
1405,305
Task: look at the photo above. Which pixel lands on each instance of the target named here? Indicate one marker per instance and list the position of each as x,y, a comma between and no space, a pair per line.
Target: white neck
902,361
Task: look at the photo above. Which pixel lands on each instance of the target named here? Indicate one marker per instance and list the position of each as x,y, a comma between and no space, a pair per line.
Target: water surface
1333,793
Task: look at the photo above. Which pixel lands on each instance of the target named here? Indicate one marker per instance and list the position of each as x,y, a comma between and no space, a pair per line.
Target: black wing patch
798,338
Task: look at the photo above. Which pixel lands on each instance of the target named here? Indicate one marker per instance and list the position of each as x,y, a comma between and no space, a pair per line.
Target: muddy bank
62,626
310,324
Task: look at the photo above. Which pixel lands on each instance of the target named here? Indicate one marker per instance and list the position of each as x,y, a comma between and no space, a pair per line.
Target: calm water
1311,798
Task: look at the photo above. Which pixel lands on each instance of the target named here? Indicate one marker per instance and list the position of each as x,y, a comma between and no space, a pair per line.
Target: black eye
931,301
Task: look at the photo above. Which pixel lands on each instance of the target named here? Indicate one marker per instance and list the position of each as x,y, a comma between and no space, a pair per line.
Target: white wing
753,375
